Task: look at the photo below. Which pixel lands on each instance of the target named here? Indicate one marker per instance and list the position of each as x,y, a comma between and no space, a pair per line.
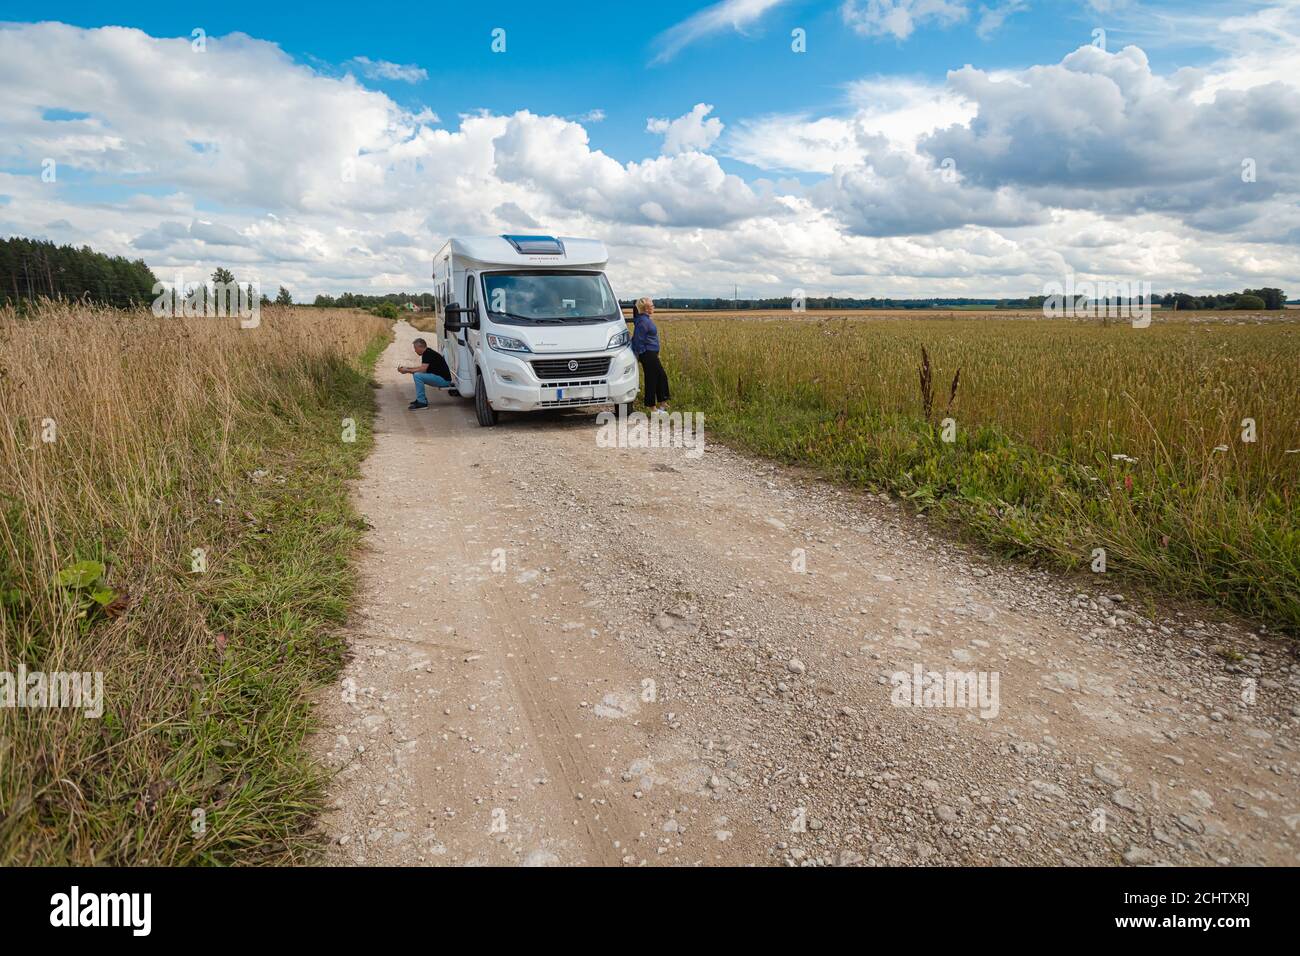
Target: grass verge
1066,438
188,535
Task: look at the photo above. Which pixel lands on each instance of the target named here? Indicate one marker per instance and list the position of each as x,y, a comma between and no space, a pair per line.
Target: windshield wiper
527,318
516,315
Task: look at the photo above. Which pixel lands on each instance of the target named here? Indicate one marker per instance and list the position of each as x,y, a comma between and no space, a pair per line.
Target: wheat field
1175,448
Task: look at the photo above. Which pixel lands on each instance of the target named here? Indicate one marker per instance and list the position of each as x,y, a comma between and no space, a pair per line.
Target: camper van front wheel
483,410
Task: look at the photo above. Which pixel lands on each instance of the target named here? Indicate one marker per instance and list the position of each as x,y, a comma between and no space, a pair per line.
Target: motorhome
530,322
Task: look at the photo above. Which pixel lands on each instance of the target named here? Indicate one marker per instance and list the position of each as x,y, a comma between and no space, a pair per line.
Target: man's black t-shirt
437,364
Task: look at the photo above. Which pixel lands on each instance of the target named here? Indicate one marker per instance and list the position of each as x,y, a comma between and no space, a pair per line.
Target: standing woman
645,345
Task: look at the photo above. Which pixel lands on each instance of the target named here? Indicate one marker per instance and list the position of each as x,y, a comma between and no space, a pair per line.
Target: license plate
581,392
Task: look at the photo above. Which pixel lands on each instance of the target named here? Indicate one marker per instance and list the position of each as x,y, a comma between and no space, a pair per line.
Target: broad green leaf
82,574
102,596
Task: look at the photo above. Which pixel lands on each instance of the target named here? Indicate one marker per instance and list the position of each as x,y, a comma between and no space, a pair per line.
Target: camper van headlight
504,343
618,339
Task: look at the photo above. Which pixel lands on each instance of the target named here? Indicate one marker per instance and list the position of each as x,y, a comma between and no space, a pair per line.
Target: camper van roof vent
536,245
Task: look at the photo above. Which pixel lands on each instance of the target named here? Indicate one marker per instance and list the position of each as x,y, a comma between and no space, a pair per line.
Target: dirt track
649,677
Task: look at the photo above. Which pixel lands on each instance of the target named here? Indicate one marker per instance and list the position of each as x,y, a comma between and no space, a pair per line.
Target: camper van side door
468,337
471,301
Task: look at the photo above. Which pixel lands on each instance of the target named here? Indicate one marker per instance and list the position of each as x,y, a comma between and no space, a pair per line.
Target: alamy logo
1126,298
209,300
103,909
76,690
971,690
656,430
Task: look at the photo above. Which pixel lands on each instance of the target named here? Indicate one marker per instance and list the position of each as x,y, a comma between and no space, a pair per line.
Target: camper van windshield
527,298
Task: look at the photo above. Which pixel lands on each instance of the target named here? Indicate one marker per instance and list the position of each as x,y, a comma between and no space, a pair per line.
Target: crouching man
433,371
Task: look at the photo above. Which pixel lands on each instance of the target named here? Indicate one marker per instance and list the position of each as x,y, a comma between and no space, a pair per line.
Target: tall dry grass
1042,410
170,435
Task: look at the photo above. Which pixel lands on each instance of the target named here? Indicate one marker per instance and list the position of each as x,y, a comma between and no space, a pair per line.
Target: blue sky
571,58
679,126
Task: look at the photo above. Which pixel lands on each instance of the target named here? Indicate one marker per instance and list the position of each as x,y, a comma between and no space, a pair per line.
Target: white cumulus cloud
244,157
695,131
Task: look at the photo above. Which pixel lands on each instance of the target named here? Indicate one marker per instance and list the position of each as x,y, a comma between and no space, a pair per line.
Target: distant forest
1268,299
1247,299
1253,299
821,303
32,268
350,300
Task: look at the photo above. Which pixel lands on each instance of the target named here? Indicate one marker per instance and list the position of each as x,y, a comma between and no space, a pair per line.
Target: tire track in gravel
768,735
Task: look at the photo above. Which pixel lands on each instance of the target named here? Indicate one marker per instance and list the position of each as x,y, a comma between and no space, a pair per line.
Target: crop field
173,516
820,315
973,313
1174,449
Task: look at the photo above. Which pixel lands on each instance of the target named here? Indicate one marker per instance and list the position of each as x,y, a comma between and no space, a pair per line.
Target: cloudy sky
853,147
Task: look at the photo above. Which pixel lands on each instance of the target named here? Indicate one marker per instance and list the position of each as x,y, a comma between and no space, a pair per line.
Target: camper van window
528,298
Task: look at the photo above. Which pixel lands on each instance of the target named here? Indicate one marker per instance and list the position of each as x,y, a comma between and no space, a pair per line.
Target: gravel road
570,654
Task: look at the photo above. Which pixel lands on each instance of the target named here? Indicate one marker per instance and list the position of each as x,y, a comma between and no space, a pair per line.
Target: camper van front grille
559,403
548,369
576,382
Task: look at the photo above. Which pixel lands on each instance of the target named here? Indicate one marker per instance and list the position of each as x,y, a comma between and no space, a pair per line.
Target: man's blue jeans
427,378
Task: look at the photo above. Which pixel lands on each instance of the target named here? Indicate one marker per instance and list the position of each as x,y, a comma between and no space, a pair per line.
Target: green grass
280,596
210,675
1040,411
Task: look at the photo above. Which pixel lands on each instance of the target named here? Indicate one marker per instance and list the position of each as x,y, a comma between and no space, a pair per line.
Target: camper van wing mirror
453,321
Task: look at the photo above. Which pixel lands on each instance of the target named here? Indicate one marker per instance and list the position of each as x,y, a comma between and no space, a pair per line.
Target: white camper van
530,322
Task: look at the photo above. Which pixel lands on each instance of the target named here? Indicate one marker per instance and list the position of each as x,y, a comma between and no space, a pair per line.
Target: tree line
36,268
224,277
820,303
1256,299
351,300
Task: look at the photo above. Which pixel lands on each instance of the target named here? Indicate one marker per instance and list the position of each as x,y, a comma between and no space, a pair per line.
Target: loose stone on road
572,654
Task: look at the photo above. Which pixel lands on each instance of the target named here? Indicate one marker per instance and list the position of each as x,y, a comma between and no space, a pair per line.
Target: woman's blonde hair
642,303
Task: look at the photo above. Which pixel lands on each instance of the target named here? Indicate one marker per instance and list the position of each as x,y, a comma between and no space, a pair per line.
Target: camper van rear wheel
483,410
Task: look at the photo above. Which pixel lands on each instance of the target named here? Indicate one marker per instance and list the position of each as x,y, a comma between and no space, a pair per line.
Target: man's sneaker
415,405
